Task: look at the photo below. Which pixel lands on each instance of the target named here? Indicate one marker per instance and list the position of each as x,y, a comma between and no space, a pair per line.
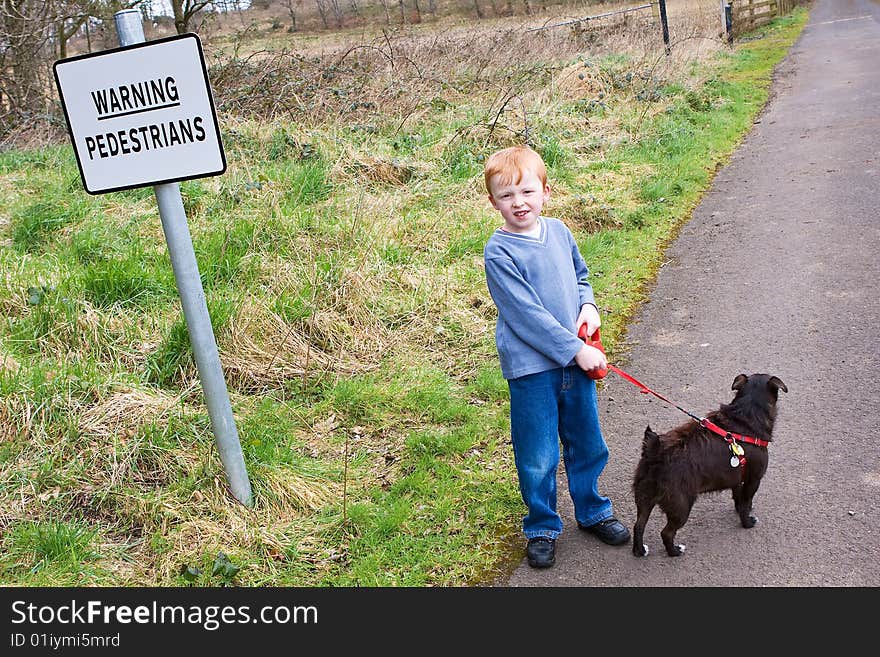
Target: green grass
355,329
128,277
36,224
52,553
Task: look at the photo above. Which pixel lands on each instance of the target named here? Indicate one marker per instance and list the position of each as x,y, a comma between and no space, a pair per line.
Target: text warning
141,115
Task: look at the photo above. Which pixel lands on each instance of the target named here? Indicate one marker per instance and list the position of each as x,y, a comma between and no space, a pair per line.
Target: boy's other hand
590,358
589,315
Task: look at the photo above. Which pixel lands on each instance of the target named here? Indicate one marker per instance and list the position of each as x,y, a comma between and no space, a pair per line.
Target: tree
337,12
71,15
387,15
185,10
322,11
24,34
292,7
32,34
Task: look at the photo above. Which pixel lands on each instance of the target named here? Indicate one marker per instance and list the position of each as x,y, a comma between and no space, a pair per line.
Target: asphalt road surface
776,272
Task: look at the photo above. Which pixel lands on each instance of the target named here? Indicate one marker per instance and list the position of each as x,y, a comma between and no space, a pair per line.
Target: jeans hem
548,533
599,517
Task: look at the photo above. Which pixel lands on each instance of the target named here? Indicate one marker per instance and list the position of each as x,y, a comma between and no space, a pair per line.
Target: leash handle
594,340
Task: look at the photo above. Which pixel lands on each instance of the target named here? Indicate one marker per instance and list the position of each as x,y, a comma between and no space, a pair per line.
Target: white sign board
141,115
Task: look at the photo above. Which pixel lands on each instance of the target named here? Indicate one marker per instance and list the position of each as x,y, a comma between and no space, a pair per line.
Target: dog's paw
641,550
677,550
750,522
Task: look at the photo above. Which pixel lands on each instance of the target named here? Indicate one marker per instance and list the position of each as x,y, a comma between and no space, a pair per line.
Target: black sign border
177,37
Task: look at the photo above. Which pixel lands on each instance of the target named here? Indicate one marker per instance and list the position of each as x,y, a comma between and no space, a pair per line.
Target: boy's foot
541,552
610,531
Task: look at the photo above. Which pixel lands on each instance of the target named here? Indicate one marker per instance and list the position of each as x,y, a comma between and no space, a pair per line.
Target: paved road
776,272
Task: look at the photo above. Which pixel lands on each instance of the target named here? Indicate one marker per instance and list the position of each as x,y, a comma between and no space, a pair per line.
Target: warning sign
141,115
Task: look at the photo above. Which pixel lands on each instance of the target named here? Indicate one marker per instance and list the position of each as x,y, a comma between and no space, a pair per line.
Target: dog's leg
742,500
677,510
644,506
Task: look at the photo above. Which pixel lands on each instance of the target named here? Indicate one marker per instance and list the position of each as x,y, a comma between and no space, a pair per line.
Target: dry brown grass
8,363
372,70
125,411
123,483
260,350
377,170
399,74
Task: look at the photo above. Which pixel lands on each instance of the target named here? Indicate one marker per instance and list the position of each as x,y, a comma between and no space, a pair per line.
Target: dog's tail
650,443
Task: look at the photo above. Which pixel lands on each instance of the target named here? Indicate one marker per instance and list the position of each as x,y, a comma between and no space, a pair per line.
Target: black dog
679,465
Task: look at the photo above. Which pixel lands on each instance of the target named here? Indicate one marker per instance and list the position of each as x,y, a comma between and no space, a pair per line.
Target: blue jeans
544,408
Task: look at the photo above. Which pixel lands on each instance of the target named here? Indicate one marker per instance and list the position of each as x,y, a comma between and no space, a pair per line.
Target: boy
538,281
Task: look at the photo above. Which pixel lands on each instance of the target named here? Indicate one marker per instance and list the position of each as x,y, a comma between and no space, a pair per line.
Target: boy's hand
589,358
589,315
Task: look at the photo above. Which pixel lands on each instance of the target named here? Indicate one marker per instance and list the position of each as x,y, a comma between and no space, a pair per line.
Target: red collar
738,455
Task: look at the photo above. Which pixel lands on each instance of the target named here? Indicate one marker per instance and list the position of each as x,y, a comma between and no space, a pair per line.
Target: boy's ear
492,200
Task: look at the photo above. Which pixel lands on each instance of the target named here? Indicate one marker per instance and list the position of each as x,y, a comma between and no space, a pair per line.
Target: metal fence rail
590,18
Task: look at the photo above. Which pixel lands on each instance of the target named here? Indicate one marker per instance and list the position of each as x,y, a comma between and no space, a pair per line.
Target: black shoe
610,531
541,552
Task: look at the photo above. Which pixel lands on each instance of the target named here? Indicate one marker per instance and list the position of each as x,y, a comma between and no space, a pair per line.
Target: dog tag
737,449
734,461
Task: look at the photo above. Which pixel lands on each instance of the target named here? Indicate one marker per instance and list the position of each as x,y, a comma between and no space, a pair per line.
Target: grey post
130,28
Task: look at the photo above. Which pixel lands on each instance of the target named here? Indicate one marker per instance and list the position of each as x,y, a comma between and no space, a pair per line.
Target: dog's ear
739,382
777,383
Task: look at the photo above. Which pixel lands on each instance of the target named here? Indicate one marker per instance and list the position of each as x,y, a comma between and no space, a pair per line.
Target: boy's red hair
509,165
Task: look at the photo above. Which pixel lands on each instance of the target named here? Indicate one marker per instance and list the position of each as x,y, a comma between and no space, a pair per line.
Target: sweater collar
520,236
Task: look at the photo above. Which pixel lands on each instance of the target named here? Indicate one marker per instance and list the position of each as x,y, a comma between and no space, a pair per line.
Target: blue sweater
539,285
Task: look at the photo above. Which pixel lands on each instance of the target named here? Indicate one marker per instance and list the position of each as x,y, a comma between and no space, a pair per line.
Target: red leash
730,437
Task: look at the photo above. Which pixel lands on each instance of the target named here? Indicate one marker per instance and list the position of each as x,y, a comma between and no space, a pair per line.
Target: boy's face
519,203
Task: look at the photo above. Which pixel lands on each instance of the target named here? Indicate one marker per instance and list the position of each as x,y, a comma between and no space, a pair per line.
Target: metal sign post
130,28
132,127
